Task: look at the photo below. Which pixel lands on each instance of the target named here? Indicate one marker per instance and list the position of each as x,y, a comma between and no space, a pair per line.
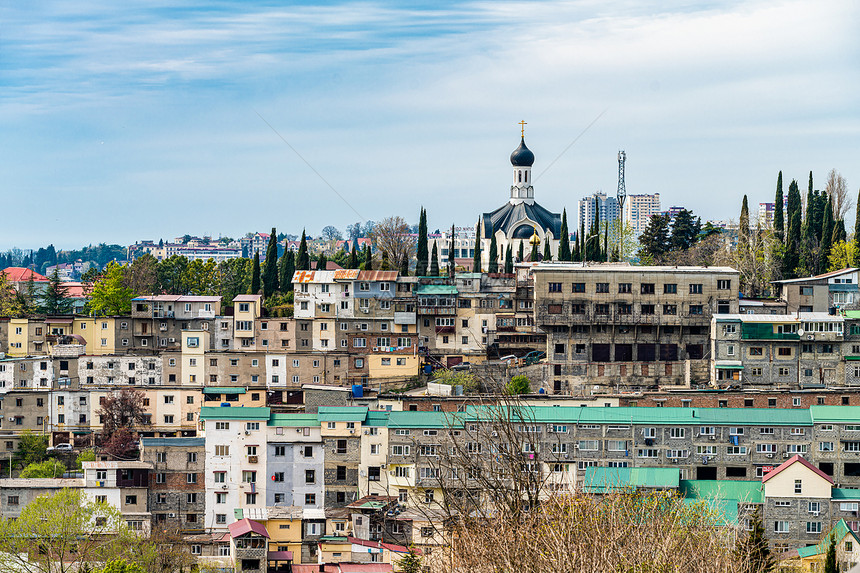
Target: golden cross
523,125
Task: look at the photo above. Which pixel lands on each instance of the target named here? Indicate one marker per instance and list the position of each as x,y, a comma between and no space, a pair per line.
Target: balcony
404,318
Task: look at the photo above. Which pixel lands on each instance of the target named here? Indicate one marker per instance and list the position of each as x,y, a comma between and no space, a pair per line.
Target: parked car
61,448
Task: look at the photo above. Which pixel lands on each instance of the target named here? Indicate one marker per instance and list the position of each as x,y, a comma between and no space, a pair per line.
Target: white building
599,207
638,210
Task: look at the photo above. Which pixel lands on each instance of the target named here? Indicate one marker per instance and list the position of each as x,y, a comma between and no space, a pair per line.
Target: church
521,217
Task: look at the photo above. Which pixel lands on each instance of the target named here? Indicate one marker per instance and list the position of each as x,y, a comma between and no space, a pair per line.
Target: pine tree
476,260
303,260
778,222
255,275
830,564
286,268
493,266
352,262
270,267
434,262
684,231
655,237
564,242
547,252
421,248
56,298
509,260
754,549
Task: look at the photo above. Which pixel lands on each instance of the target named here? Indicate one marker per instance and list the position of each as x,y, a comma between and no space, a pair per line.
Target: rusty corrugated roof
371,276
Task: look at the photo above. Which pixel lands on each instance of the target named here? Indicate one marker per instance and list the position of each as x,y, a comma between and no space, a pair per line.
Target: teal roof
436,289
234,413
342,413
294,420
376,418
404,419
601,480
736,490
841,529
845,493
225,390
173,442
726,509
835,414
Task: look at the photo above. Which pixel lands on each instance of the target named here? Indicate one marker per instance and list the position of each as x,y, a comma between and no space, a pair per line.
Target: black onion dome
522,155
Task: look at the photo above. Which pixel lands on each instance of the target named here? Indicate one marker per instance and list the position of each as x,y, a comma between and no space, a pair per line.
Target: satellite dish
800,332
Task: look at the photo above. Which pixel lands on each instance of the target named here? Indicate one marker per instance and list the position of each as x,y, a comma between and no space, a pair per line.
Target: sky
125,121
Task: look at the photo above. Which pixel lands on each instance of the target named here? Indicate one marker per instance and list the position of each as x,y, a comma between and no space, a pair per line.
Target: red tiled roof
389,546
246,526
20,275
796,458
75,289
247,298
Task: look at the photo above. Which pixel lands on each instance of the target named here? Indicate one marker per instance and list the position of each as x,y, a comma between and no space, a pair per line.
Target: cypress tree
493,266
534,256
744,228
286,268
564,242
604,256
509,260
778,220
827,226
547,252
255,275
368,259
838,232
830,565
322,262
476,261
270,268
754,549
384,265
404,267
451,258
434,262
791,259
583,253
352,262
303,260
521,254
421,248
574,254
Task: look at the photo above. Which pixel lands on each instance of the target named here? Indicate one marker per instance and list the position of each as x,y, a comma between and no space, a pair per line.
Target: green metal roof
376,418
845,493
601,480
852,313
234,413
729,367
342,413
333,539
835,414
436,289
852,358
225,390
294,420
726,509
424,420
736,490
841,529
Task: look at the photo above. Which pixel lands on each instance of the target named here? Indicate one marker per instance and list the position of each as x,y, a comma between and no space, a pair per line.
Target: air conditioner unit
712,438
382,466
171,340
815,513
810,337
247,433
367,432
11,418
786,455
171,515
224,486
352,431
575,446
770,455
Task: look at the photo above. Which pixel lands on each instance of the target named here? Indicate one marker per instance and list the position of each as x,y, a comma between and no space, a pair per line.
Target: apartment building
829,292
638,210
122,484
623,326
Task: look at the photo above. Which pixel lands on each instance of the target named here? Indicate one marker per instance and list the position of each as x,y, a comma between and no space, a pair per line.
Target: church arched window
520,174
527,176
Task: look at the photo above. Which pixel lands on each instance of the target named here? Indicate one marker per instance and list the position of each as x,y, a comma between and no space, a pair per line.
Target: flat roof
234,413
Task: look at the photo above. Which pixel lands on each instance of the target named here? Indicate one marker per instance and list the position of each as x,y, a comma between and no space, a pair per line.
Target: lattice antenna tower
621,195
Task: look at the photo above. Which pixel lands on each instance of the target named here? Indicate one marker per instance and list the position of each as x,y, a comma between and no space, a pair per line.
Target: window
646,288
602,287
578,287
625,288
554,287
310,499
780,527
813,527
670,288
695,289
798,486
677,432
222,450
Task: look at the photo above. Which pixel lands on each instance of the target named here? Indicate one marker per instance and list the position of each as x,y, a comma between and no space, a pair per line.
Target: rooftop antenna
621,195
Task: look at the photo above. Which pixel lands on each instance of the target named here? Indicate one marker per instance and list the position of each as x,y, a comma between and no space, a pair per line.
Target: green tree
655,238
120,566
547,252
322,262
434,262
534,256
303,259
51,468
521,256
684,231
286,269
384,264
171,274
141,276
422,254
410,563
232,278
518,385
509,260
452,259
827,227
200,278
352,262
856,238
32,448
462,378
830,564
10,303
270,268
255,276
791,258
85,456
493,255
744,227
753,549
778,218
564,253
110,296
56,298
476,259
368,258
63,533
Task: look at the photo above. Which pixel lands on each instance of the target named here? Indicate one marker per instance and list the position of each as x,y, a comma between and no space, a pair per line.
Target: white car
61,448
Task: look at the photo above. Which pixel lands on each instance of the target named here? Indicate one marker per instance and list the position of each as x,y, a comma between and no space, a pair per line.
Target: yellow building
19,337
284,525
391,365
194,345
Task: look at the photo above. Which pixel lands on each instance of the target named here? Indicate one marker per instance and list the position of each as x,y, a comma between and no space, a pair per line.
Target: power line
551,163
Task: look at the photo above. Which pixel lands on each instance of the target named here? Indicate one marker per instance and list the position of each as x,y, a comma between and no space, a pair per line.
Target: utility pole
621,195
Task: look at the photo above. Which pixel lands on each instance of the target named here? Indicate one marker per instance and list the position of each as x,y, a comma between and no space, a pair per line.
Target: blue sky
136,120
